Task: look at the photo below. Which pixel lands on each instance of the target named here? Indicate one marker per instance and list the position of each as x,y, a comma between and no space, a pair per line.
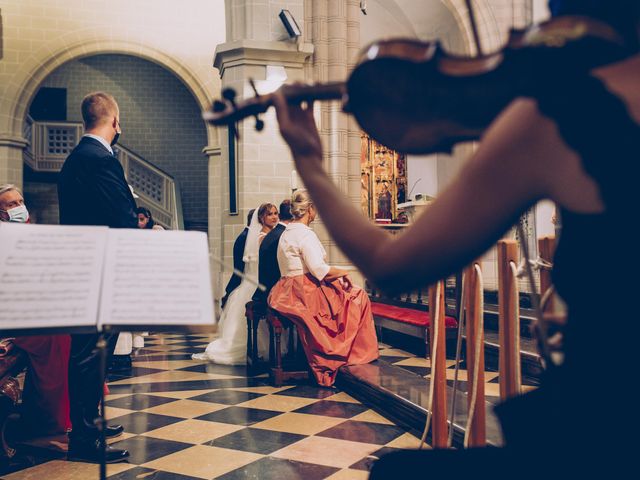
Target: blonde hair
300,203
98,107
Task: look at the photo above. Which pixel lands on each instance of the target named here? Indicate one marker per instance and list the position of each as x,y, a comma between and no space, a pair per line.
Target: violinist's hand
298,128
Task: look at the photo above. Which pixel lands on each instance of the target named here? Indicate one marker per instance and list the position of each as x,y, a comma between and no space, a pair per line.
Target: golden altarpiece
383,177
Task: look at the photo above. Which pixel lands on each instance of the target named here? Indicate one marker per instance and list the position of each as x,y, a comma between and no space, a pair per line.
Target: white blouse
300,251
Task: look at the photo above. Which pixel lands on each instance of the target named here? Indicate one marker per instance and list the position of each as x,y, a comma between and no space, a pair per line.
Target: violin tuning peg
219,106
229,94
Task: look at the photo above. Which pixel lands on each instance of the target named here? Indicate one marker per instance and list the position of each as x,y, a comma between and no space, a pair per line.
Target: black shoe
89,451
113,431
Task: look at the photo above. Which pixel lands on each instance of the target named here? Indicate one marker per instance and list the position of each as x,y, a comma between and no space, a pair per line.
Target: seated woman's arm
312,254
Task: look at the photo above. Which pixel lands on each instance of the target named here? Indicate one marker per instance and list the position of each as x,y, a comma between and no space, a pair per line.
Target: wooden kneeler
509,320
298,369
439,426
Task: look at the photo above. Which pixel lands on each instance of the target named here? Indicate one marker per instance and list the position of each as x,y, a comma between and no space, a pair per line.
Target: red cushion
408,315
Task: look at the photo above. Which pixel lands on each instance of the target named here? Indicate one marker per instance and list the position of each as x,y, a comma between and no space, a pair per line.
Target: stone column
333,27
11,148
255,39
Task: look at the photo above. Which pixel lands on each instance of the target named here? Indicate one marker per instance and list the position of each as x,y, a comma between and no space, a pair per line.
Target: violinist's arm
511,170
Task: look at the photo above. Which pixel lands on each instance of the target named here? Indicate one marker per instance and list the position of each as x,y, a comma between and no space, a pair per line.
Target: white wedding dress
230,348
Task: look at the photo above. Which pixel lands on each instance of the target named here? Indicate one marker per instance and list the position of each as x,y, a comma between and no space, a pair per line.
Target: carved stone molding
255,52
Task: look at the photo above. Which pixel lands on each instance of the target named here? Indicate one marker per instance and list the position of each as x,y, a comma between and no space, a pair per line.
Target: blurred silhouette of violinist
572,139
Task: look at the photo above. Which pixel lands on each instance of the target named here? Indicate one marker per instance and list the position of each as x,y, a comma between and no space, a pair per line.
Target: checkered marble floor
422,366
187,419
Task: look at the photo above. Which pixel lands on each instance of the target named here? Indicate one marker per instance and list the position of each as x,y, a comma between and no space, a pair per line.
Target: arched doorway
161,123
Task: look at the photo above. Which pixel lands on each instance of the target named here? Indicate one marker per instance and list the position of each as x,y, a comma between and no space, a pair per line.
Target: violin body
414,97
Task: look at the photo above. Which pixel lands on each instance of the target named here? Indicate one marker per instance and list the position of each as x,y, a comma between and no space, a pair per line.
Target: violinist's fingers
282,109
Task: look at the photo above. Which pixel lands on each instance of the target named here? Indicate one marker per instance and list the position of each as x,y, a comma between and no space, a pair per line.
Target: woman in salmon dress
333,317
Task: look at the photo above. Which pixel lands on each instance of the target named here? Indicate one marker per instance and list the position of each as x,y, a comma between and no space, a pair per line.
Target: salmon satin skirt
335,326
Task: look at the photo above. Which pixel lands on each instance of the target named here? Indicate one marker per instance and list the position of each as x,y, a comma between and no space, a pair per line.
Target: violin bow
474,27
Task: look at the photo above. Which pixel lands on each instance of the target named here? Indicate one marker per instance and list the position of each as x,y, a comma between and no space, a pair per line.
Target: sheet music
50,275
156,278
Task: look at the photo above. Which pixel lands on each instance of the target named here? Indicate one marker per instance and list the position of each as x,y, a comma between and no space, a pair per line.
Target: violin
414,97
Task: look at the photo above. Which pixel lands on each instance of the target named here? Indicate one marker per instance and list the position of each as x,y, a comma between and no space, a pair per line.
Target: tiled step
403,396
530,361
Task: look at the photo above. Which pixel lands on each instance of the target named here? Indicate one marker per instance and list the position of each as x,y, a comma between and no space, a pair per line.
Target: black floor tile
392,359
188,385
140,473
129,388
239,415
145,449
187,350
27,458
363,432
422,371
236,370
138,402
256,440
139,371
330,408
140,422
156,356
367,462
227,397
116,376
309,391
269,468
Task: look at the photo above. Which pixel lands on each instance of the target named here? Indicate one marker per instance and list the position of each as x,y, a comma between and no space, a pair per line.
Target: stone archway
20,104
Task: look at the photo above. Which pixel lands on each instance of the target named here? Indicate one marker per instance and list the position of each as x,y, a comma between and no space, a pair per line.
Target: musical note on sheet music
49,277
157,278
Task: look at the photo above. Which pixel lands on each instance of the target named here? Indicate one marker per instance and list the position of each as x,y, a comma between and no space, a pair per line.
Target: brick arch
83,49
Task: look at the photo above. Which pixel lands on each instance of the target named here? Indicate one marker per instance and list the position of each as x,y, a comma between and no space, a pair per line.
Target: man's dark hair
147,213
96,108
285,210
249,215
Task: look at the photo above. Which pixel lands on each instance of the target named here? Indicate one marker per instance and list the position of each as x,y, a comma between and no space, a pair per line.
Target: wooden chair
296,366
255,313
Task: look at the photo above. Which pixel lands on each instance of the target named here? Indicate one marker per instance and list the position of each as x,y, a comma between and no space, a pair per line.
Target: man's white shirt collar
101,140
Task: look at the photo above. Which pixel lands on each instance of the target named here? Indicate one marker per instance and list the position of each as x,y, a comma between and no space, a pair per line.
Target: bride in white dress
230,348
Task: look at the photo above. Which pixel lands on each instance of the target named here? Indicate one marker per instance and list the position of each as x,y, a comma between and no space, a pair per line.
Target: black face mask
115,139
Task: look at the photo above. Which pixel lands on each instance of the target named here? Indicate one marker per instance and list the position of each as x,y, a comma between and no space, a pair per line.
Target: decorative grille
61,140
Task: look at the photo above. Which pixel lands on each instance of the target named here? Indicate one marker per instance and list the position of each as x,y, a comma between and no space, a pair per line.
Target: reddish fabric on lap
335,325
45,399
408,315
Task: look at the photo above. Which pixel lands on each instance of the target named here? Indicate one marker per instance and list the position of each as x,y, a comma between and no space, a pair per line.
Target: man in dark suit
92,190
268,269
238,262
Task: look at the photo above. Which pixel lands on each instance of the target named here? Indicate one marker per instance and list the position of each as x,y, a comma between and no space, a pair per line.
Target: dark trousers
86,383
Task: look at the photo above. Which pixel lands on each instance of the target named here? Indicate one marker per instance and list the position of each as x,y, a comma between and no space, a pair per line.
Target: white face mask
18,214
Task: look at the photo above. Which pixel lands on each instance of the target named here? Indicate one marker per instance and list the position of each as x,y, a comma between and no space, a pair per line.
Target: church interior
447,353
